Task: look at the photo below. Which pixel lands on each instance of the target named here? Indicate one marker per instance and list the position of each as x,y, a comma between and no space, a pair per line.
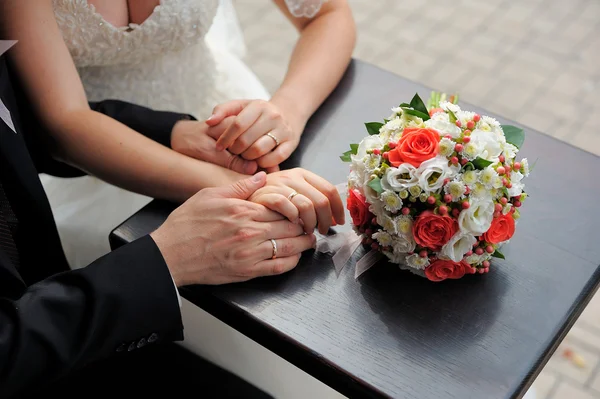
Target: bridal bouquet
437,189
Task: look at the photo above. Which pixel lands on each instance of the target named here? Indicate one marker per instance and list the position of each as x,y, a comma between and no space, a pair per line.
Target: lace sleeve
304,8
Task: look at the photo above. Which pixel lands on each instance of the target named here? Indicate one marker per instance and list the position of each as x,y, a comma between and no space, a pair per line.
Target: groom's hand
198,140
217,237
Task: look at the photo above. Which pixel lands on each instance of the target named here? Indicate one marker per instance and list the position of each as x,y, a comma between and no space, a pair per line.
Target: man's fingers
242,189
279,203
217,130
242,122
273,169
329,190
288,246
283,229
238,164
273,267
224,110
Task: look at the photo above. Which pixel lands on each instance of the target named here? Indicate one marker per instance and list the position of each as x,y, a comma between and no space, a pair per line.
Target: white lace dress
186,57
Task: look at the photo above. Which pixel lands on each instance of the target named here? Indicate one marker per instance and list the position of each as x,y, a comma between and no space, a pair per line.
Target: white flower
404,224
400,178
443,127
525,167
417,262
460,243
489,177
456,189
509,151
446,147
491,122
391,201
477,219
371,195
392,128
471,151
394,257
383,238
403,244
445,105
356,181
386,221
470,177
415,191
478,259
372,162
368,143
432,173
506,208
465,116
489,144
517,186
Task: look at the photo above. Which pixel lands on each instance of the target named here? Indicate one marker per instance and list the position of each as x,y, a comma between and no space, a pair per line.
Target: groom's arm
122,302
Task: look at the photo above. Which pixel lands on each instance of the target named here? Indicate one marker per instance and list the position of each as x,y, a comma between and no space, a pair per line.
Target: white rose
400,178
478,218
403,244
439,166
443,127
458,246
488,143
356,181
368,143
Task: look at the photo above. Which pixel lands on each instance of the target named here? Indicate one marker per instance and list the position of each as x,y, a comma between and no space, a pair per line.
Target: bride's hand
317,202
249,135
198,140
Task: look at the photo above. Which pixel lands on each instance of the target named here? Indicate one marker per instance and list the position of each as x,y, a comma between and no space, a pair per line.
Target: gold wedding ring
292,195
274,249
274,138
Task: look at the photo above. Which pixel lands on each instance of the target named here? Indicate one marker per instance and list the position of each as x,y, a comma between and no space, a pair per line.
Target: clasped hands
237,232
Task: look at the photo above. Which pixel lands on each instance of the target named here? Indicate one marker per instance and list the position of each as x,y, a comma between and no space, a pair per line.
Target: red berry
504,182
369,232
497,214
463,161
447,198
466,139
517,204
467,133
455,212
376,151
504,201
517,165
469,253
481,271
476,117
501,158
467,190
375,246
509,185
446,181
458,148
431,200
466,205
405,211
374,221
470,125
454,160
508,168
392,145
443,210
386,155
369,241
489,249
498,208
501,170
486,263
448,137
479,251
458,123
423,254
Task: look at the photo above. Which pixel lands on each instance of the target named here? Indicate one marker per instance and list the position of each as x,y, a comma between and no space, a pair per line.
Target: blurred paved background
533,61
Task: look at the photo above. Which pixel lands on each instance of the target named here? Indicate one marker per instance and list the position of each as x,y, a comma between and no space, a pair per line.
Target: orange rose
502,229
433,231
443,269
415,146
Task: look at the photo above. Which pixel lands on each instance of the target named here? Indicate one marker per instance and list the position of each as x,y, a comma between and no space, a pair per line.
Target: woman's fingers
224,110
321,205
307,212
260,147
253,133
283,229
329,190
246,118
278,155
280,204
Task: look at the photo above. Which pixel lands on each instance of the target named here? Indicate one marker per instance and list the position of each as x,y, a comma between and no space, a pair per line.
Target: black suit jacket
54,320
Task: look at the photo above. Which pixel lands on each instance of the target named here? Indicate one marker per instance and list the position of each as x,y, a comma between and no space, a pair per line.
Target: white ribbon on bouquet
343,245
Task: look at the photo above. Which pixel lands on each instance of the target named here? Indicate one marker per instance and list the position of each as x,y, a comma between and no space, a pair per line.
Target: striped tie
8,226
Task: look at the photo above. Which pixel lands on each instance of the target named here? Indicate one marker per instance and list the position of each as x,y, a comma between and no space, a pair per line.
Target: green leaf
405,105
353,149
416,113
498,254
346,157
375,184
386,120
452,117
418,105
468,166
481,163
514,135
373,127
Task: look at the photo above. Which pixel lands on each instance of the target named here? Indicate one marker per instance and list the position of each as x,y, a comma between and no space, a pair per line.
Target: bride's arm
84,138
320,57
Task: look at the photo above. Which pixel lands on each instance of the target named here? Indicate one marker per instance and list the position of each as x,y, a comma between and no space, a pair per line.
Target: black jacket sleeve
121,302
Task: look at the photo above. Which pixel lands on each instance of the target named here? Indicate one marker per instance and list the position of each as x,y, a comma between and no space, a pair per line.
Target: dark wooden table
394,334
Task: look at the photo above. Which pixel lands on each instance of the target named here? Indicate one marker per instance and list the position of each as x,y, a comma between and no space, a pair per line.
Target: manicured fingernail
257,177
211,117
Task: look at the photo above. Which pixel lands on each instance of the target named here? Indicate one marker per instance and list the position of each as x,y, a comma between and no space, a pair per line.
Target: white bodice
166,62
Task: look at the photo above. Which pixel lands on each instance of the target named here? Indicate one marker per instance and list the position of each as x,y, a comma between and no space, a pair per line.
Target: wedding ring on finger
274,243
271,135
292,195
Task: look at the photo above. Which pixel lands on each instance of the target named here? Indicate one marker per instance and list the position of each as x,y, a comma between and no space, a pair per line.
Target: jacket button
142,342
153,337
131,347
122,347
